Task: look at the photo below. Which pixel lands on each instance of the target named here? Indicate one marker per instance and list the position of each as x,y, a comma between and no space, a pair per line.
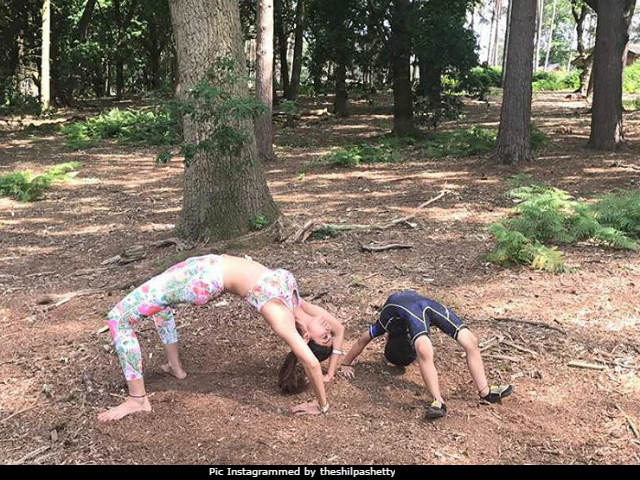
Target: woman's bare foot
177,372
129,406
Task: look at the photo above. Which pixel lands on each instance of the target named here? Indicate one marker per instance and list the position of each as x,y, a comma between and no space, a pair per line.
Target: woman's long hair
289,379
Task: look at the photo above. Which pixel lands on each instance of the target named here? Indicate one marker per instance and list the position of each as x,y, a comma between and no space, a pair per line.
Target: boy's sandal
497,393
436,410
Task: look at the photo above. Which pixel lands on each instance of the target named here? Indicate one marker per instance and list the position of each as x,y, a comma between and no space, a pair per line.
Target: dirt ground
57,372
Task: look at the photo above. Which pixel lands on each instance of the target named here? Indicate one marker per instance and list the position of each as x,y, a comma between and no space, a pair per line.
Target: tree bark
283,47
507,34
222,193
579,11
612,36
264,80
296,72
340,104
550,39
513,145
403,124
45,77
85,20
540,20
496,33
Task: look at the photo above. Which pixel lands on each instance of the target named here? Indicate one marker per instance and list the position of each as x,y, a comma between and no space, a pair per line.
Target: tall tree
612,36
496,33
283,45
296,69
45,78
550,37
513,145
539,20
264,79
403,122
580,10
222,191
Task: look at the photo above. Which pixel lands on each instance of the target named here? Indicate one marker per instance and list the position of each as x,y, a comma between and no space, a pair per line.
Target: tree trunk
294,87
612,36
85,20
264,80
340,103
540,20
507,33
579,11
513,145
400,47
45,78
496,33
283,47
550,39
222,193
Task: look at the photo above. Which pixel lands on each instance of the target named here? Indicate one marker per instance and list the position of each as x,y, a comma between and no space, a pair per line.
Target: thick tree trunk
514,144
283,47
340,103
264,79
403,124
296,72
45,77
612,36
222,193
85,20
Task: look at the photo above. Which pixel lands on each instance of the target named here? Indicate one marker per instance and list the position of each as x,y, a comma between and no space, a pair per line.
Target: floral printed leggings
196,280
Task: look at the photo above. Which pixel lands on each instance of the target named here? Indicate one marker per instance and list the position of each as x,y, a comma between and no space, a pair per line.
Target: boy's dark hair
289,380
398,349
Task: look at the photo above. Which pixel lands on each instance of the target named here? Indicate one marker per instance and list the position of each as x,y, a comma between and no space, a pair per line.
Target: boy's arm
358,347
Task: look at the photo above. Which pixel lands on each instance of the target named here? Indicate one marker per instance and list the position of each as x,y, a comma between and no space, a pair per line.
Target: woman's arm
358,347
338,335
285,328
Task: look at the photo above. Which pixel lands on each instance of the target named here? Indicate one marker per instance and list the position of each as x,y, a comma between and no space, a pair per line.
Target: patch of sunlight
620,324
629,383
157,227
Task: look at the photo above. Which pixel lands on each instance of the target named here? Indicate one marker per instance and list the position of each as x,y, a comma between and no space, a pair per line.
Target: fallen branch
503,357
26,409
590,366
382,248
129,255
36,452
519,347
632,425
527,322
180,245
312,226
61,299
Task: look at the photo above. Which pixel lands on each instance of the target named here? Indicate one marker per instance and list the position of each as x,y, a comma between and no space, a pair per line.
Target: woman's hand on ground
347,371
309,408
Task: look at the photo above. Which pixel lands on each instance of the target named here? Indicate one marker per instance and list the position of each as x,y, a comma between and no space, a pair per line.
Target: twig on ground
520,347
381,248
36,452
26,409
632,425
527,322
590,366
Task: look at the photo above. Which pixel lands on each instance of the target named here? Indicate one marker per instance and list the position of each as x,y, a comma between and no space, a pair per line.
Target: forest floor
58,369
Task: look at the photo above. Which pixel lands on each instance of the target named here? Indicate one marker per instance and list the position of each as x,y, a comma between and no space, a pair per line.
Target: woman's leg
166,327
424,349
128,349
469,342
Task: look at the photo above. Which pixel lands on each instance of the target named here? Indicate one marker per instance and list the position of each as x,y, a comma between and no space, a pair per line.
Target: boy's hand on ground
327,377
309,408
347,371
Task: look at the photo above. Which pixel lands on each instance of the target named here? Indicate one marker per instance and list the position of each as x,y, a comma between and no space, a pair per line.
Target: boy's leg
166,327
424,350
492,394
469,343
